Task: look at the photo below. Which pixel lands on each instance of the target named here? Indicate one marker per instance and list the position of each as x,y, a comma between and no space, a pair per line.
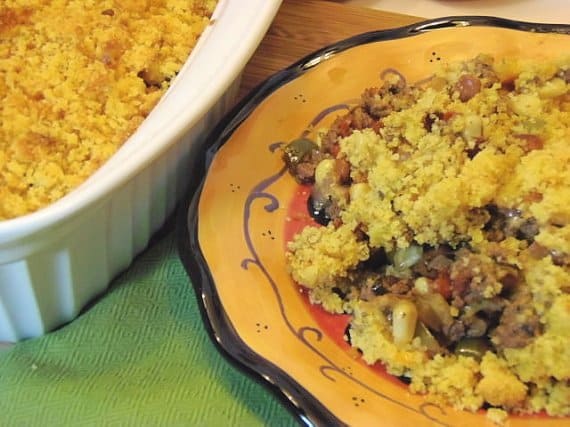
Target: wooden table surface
303,26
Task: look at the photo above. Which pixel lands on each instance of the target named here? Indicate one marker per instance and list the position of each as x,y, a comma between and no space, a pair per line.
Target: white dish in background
54,261
546,11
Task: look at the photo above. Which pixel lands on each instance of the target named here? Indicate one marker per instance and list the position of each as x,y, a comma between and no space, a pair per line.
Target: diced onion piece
406,258
325,174
421,285
359,190
473,127
553,88
427,338
327,185
404,319
433,311
526,105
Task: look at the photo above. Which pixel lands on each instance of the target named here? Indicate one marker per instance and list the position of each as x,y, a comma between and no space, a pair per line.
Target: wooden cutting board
303,26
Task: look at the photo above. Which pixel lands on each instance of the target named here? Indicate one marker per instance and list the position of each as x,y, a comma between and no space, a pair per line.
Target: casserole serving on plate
238,263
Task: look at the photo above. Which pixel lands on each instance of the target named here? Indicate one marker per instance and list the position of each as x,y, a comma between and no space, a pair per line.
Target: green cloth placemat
139,356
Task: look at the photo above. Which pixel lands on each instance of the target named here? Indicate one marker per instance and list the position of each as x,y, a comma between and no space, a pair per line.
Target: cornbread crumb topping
76,80
445,231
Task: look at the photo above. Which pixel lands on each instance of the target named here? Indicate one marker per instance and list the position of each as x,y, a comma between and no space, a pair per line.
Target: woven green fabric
138,356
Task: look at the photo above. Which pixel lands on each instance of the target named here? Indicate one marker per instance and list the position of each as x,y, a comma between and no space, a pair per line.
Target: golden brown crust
76,80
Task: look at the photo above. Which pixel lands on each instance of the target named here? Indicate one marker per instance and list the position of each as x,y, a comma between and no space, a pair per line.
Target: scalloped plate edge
219,327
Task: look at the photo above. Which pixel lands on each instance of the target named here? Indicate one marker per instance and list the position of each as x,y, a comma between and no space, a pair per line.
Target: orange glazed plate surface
233,238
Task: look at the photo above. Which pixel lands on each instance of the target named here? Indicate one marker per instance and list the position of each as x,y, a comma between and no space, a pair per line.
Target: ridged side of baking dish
53,262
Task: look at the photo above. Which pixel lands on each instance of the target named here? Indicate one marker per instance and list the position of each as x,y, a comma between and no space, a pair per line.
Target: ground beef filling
460,277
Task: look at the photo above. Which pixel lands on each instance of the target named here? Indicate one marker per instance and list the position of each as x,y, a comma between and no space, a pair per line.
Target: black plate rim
307,409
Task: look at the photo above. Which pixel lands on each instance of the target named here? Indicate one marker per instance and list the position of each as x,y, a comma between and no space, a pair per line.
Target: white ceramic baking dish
54,261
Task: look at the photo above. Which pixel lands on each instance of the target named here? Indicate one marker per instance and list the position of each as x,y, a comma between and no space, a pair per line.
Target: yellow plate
233,239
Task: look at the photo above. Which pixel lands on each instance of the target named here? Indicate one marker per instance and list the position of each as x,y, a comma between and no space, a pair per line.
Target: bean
468,86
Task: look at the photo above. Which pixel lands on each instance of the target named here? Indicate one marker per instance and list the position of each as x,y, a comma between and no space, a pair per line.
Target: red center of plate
332,325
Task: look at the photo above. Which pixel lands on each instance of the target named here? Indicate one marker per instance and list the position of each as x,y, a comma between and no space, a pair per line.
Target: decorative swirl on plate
245,263
427,405
275,146
319,117
260,192
325,371
302,333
